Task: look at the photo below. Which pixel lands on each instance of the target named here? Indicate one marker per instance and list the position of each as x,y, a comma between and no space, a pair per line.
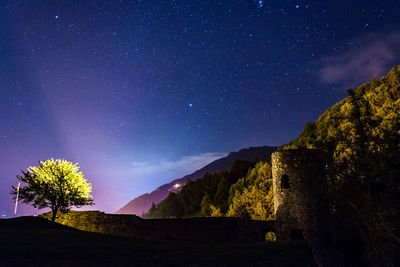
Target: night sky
143,92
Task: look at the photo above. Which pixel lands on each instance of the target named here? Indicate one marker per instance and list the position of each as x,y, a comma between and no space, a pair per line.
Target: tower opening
285,182
296,234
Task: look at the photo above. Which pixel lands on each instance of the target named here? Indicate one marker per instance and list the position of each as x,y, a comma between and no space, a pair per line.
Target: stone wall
200,229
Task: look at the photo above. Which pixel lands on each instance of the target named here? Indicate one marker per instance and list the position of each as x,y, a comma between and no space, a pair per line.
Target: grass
31,241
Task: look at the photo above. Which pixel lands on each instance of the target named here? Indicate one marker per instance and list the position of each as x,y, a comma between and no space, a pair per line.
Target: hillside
360,137
143,203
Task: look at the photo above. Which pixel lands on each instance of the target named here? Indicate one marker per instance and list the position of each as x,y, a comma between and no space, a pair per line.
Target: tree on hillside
222,194
205,206
55,184
215,212
172,207
153,208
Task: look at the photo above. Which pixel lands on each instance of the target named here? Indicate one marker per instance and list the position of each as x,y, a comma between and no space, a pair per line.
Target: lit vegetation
55,184
360,136
252,196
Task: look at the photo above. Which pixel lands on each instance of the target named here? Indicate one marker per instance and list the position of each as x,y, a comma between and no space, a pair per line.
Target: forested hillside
360,137
187,202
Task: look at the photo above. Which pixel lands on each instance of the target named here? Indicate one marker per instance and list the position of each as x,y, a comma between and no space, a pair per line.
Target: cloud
374,55
185,165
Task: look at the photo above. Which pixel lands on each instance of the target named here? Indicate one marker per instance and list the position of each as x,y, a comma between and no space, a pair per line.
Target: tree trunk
53,218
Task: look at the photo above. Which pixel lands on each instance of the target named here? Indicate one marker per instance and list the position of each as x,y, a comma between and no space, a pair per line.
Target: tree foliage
222,194
56,184
206,206
252,196
215,212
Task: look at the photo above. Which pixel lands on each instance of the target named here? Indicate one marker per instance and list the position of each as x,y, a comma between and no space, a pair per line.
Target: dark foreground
35,241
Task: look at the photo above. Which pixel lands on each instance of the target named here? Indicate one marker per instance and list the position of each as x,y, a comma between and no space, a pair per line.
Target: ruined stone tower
300,194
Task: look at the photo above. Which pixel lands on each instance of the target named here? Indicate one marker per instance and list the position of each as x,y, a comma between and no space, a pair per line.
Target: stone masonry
300,194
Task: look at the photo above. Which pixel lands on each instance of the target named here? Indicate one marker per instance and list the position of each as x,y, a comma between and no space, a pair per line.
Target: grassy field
28,241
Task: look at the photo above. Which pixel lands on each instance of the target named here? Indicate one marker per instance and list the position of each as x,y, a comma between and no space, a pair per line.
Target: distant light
260,3
56,17
176,186
190,105
297,6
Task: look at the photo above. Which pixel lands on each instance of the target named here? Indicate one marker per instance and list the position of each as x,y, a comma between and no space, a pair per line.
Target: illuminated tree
55,184
215,212
252,196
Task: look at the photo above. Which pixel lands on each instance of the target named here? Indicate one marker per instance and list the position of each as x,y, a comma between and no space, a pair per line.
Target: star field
109,83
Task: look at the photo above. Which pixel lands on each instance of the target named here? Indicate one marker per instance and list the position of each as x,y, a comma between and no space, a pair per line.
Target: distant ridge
143,203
